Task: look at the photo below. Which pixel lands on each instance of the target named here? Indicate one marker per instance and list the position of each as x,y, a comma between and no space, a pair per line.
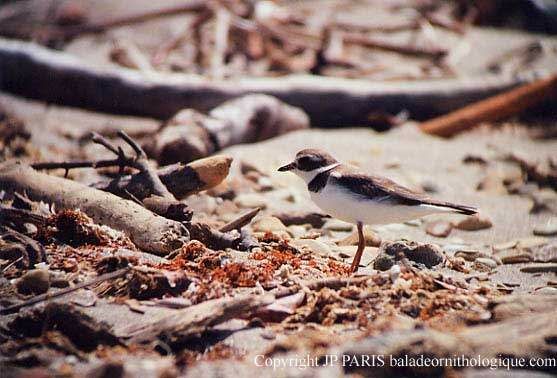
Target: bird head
309,163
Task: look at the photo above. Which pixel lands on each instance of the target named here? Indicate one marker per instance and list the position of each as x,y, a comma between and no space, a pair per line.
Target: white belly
352,208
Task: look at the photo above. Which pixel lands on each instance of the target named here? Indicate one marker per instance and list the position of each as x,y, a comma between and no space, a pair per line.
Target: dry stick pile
264,37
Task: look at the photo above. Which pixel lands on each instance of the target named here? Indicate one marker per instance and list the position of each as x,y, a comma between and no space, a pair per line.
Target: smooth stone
250,200
348,252
487,262
547,229
515,256
440,229
371,238
268,223
297,231
474,223
337,225
36,281
383,262
316,246
468,254
539,268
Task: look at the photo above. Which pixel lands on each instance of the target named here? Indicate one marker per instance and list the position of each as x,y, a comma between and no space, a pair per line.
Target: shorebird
352,196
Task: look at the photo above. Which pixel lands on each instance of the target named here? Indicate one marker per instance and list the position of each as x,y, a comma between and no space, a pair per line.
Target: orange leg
360,250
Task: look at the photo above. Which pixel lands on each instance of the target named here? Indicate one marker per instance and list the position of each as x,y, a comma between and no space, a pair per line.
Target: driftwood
494,108
148,231
168,208
190,135
36,72
195,319
180,179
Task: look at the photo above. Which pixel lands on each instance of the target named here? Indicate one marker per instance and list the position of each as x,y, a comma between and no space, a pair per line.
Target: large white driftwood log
148,231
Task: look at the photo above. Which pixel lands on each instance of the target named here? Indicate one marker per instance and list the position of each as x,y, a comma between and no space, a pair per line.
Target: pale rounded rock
371,238
250,200
315,246
337,225
547,229
297,231
36,281
268,223
440,229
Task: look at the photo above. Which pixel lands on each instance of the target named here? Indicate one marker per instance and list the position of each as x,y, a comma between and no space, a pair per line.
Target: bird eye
304,160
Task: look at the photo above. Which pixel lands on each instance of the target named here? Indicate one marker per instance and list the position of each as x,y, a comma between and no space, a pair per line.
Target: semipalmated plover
352,196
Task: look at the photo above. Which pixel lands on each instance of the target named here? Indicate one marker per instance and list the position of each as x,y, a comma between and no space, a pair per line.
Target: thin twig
47,296
241,221
4,269
406,49
188,7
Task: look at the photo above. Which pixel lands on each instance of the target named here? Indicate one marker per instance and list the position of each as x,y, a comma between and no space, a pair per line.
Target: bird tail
467,210
455,208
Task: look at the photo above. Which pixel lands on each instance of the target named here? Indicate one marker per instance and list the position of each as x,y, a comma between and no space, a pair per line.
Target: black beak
287,167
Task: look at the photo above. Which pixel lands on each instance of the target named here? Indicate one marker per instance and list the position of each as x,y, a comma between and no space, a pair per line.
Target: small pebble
394,272
539,268
383,262
337,225
268,334
547,229
481,262
297,231
250,200
468,254
371,238
316,246
440,229
268,223
36,281
515,256
474,223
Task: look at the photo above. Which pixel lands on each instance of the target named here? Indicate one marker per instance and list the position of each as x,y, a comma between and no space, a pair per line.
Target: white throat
307,176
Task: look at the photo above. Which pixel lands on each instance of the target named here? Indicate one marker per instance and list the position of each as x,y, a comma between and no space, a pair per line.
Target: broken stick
493,109
180,179
148,231
59,293
195,319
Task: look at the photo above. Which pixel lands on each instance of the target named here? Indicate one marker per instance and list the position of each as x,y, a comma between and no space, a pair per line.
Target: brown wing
382,189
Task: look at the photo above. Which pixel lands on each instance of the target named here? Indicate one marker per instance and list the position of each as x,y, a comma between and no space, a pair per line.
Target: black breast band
319,182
